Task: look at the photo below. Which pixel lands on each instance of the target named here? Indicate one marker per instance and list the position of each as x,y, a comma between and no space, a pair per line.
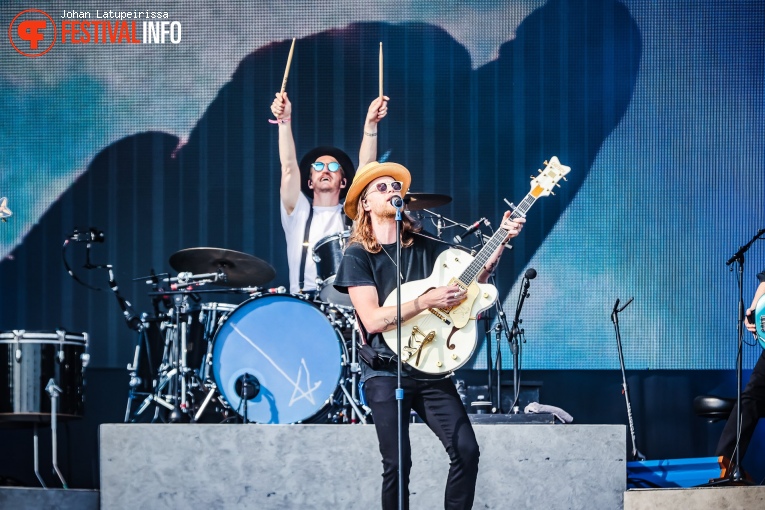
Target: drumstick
287,69
381,70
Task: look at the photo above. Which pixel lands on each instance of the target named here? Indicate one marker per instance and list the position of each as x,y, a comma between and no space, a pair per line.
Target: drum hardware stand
212,390
351,398
636,455
37,457
54,391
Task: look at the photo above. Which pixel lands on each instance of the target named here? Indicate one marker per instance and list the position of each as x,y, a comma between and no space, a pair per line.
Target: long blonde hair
363,234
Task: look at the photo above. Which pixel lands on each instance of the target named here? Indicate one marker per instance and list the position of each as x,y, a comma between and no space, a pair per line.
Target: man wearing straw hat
368,273
311,192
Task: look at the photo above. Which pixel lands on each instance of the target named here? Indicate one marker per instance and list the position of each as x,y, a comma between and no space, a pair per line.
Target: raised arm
289,191
377,110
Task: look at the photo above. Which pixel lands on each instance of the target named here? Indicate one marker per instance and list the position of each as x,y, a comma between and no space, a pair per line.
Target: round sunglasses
382,187
332,166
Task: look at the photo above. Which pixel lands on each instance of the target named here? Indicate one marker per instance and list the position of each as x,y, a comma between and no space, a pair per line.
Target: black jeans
752,409
439,406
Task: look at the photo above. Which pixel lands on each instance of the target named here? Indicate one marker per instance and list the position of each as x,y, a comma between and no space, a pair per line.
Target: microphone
531,273
472,228
616,305
397,202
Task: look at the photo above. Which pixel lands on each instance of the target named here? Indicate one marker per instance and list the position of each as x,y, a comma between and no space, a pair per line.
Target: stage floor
338,466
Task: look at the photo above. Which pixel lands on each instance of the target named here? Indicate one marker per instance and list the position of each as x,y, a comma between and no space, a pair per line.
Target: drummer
311,193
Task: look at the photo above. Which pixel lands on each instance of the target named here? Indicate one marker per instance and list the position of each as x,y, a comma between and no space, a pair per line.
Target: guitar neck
475,267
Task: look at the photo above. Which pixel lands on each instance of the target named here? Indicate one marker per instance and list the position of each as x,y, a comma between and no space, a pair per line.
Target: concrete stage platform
21,498
338,466
697,498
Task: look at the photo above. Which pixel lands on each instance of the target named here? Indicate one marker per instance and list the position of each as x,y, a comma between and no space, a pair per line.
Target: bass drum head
287,347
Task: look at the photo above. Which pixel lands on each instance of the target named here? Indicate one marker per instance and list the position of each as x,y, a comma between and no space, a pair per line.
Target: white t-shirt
326,221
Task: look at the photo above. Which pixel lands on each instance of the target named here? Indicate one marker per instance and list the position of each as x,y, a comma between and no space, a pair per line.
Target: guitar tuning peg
557,184
539,171
546,163
532,177
553,194
564,178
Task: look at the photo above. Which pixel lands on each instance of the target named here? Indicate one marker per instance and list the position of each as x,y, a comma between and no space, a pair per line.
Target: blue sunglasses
332,166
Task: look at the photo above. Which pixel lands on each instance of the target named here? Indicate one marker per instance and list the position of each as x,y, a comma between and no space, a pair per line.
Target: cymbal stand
178,384
142,344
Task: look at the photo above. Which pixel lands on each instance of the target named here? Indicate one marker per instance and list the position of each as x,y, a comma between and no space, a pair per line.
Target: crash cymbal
420,201
241,269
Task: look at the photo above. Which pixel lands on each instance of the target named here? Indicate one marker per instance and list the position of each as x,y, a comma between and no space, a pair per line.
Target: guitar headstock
542,184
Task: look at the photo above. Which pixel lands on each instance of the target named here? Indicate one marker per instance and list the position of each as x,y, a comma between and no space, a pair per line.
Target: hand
281,107
447,296
512,226
377,110
750,326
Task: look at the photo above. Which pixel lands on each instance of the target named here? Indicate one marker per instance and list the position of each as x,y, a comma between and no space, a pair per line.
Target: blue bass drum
282,352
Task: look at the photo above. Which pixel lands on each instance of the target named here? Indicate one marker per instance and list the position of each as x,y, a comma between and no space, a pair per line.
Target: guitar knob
454,357
438,363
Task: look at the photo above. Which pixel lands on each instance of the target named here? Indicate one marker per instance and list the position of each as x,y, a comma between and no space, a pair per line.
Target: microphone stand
499,327
514,340
399,205
636,455
736,475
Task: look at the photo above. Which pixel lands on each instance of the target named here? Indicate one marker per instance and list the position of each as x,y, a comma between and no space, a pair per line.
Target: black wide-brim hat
345,162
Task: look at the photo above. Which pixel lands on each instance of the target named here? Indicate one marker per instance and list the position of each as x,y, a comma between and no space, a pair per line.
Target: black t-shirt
359,268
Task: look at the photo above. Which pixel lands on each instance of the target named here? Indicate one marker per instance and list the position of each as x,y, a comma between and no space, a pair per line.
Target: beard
385,210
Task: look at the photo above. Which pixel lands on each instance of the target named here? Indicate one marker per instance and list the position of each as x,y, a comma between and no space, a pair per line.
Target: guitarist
368,274
752,398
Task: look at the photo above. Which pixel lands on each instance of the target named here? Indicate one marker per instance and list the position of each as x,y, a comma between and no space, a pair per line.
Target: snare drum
327,253
28,361
288,353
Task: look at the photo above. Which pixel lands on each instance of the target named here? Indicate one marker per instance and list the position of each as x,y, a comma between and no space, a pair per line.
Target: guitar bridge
441,314
417,340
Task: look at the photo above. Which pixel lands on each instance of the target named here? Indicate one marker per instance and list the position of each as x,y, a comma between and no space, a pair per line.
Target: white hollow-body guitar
441,340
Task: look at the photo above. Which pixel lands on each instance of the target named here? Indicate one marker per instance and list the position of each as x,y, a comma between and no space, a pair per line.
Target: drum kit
275,357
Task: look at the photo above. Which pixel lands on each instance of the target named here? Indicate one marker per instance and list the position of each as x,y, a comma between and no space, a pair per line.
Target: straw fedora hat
369,173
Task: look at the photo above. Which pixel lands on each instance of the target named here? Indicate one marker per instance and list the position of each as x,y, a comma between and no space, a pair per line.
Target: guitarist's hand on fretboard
513,226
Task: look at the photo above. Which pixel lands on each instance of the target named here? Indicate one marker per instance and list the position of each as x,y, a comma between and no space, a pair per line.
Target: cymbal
241,269
420,201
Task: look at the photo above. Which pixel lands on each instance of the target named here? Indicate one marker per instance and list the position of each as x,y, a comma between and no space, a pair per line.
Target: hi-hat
420,201
241,269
